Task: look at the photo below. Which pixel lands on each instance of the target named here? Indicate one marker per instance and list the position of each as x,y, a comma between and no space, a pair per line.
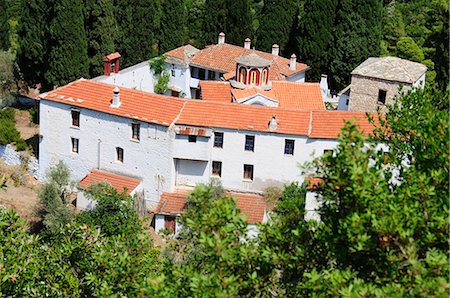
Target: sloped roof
391,69
222,57
290,95
136,104
244,117
253,60
252,205
216,91
118,182
328,124
184,54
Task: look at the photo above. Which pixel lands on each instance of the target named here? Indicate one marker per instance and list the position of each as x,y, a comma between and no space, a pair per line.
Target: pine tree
68,59
101,30
357,36
172,33
137,21
275,24
315,35
231,17
33,41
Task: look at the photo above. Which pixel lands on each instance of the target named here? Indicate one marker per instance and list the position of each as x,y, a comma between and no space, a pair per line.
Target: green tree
408,49
357,36
172,32
234,18
67,58
275,24
8,85
4,42
138,22
315,37
215,257
33,32
101,30
195,13
54,198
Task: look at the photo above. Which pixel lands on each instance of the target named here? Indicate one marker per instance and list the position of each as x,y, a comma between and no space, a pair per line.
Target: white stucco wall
271,166
181,78
99,134
159,224
299,77
137,77
420,82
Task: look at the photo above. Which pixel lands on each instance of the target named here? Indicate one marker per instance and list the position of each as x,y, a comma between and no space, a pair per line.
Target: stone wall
364,93
13,158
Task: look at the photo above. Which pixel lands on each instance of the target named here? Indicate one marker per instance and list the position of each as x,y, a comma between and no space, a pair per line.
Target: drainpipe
98,153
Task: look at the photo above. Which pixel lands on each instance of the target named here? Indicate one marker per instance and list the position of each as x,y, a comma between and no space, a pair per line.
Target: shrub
8,131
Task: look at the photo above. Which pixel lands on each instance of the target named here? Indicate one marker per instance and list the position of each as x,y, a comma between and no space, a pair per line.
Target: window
248,172
265,77
75,118
243,75
382,96
217,168
75,144
135,131
172,71
249,143
211,75
192,139
254,77
218,139
201,74
119,152
289,147
175,93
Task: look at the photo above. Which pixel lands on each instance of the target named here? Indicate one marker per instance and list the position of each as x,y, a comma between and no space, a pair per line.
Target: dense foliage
8,131
332,36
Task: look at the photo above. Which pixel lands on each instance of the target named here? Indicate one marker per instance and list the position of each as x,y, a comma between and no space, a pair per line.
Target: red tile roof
290,95
244,117
216,91
222,57
112,56
328,124
252,205
139,105
119,182
312,182
183,53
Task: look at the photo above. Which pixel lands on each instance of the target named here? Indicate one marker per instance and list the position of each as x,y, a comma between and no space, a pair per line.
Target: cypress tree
4,43
357,37
232,17
101,30
137,21
195,14
275,24
172,33
315,35
68,59
33,41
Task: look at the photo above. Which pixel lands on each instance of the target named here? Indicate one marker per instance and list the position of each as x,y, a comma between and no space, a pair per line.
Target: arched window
254,77
242,75
265,76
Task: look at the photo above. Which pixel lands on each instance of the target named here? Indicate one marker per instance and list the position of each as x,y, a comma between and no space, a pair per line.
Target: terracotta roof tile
252,205
144,106
222,57
328,124
119,182
243,117
216,91
183,53
112,56
290,95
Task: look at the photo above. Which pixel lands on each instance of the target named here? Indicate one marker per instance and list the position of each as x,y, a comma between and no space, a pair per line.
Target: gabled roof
328,124
182,54
139,105
289,95
118,182
252,205
391,69
222,57
243,117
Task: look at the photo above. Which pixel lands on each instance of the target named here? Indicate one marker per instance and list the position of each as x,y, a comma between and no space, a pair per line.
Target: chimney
115,103
275,50
221,39
293,62
273,123
111,60
247,43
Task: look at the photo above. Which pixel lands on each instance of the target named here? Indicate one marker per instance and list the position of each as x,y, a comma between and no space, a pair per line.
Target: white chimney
275,50
273,123
115,103
221,39
247,43
293,62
